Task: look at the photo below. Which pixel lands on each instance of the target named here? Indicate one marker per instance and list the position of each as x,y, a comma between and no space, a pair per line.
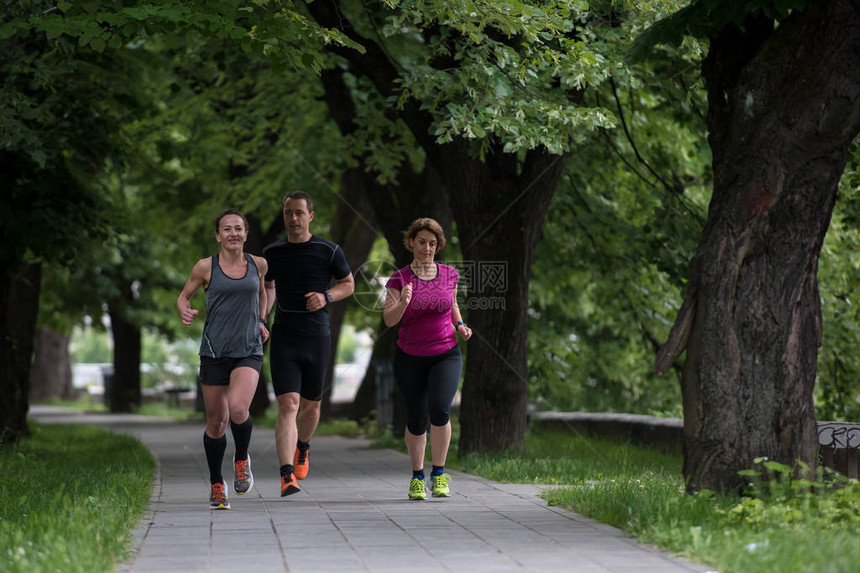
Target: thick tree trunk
499,206
124,391
19,305
500,210
392,207
395,207
784,105
51,376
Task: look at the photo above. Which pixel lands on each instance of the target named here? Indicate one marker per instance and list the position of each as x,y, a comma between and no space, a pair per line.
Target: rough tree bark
784,106
500,214
19,305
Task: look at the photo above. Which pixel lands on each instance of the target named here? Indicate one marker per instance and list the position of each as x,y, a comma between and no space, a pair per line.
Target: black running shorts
216,371
298,364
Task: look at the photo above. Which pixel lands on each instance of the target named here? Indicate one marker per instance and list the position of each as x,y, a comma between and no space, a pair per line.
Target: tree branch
375,65
679,336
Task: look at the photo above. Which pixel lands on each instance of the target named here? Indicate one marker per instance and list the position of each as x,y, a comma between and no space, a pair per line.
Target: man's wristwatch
329,298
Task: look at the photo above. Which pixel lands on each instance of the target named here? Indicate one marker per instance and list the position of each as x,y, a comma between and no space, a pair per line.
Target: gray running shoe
218,497
244,479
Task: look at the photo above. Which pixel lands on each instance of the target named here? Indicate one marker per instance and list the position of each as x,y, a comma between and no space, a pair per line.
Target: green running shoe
440,485
417,489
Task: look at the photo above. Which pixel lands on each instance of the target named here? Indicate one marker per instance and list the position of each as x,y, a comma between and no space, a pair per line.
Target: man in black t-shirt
299,280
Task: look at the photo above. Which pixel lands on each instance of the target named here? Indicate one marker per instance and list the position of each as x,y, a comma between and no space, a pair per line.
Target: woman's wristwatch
459,322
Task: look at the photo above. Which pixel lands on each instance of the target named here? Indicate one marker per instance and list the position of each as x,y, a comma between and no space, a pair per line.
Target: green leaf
9,29
39,157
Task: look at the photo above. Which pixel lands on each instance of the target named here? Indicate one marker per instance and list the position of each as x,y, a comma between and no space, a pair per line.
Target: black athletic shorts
216,371
299,364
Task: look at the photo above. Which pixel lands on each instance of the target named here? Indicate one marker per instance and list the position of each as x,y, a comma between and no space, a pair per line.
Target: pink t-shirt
426,328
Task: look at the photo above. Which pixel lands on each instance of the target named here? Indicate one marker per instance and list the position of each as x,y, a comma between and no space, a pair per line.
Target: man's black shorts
299,364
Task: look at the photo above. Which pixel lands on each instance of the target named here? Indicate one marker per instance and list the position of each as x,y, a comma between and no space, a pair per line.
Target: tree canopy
593,176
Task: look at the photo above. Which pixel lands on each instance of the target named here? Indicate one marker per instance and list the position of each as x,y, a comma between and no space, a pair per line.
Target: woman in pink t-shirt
427,362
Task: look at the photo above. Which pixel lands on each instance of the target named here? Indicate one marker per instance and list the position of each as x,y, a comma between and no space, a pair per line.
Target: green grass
796,527
780,525
98,484
157,409
70,496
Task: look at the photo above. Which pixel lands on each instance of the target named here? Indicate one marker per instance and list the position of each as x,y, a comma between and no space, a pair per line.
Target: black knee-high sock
242,437
214,448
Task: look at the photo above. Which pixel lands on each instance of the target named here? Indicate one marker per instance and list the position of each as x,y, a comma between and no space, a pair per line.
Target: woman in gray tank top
231,350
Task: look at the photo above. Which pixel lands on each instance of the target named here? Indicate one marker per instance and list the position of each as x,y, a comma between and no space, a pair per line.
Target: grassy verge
158,409
69,498
97,485
780,525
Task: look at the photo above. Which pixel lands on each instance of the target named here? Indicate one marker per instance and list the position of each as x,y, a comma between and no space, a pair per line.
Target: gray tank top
232,327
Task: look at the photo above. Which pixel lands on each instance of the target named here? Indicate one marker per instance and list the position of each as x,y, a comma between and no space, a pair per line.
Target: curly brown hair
425,224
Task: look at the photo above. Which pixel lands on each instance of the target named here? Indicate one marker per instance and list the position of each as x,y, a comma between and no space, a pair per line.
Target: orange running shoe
218,497
289,486
300,463
244,479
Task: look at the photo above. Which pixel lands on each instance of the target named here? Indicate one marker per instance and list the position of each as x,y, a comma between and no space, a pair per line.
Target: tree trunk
784,106
124,392
500,210
51,376
353,227
392,207
19,306
499,206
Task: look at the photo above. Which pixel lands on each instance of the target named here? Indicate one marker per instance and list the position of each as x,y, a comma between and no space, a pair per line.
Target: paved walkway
353,515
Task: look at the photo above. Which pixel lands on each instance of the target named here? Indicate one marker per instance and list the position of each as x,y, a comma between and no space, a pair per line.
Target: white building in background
348,376
90,378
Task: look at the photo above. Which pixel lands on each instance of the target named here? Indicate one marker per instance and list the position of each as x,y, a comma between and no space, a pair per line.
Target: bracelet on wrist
264,322
459,322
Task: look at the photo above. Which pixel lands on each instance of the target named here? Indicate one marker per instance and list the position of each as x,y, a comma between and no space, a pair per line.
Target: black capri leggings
428,385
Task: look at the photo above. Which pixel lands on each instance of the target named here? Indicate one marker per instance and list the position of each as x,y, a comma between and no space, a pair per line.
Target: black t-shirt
299,268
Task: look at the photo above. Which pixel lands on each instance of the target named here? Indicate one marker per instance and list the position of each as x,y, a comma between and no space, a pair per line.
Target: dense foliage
132,124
